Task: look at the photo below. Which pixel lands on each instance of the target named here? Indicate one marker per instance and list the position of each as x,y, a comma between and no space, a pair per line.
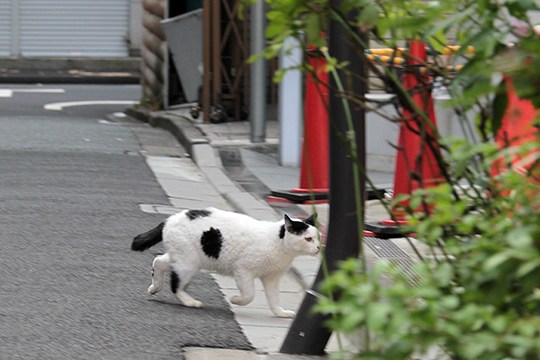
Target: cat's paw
193,303
239,300
152,289
285,313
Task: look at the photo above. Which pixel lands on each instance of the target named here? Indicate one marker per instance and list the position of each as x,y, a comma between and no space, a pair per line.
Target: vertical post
257,74
207,56
308,334
216,52
290,111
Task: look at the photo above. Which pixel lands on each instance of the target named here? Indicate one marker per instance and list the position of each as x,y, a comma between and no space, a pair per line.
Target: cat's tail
148,239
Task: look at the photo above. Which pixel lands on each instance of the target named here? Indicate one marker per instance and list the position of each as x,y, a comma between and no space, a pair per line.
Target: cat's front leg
246,286
271,289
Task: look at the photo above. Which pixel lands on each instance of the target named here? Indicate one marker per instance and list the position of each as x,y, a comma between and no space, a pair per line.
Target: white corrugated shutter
73,27
5,27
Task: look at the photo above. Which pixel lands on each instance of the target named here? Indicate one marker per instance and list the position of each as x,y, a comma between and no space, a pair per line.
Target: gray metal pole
257,74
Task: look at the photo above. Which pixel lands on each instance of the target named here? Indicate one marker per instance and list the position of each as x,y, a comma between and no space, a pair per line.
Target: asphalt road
71,182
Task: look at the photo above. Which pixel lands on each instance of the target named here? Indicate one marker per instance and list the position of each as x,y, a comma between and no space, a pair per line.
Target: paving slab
185,184
196,353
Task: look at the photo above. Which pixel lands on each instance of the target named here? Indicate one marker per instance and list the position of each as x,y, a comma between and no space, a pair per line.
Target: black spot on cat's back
211,242
195,214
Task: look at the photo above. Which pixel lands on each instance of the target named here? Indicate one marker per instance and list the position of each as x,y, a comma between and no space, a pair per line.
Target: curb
180,127
200,148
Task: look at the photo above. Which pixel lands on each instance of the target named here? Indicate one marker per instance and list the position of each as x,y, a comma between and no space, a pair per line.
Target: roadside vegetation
477,290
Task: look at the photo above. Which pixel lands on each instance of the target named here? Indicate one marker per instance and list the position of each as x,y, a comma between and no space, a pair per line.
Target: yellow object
448,50
386,59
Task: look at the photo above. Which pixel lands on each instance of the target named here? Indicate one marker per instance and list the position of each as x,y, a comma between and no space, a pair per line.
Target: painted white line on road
9,92
60,106
6,93
47,91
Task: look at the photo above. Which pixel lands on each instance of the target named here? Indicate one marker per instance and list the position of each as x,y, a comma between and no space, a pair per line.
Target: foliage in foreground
479,298
477,293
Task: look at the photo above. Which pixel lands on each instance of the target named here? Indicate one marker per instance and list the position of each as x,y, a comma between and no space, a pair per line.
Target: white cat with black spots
230,244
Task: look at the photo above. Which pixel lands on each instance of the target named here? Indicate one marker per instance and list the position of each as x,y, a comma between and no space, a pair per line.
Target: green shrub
481,300
477,293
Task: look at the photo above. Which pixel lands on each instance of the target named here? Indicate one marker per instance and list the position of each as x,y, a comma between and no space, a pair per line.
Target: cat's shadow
207,308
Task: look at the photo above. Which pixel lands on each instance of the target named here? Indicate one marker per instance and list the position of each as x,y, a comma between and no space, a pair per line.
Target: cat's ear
295,227
288,223
312,220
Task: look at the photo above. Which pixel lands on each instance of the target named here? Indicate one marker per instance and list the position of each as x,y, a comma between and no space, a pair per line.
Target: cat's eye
309,239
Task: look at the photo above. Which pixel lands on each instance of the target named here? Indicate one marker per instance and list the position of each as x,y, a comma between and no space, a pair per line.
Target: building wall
5,27
69,28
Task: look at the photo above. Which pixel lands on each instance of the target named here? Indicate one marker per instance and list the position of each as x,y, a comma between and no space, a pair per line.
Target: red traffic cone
315,149
416,165
517,128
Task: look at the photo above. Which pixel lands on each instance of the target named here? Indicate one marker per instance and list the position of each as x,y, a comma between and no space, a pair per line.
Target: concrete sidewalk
242,174
59,70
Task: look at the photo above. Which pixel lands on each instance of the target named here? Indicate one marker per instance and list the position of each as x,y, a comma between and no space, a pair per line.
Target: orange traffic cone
416,165
314,169
315,150
517,128
315,153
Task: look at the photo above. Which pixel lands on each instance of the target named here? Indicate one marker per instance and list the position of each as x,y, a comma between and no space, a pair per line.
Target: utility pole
308,334
257,74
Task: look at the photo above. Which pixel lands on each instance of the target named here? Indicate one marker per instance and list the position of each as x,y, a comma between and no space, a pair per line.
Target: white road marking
60,106
9,92
6,93
48,91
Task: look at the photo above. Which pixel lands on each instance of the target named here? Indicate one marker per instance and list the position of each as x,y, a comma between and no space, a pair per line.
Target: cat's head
301,236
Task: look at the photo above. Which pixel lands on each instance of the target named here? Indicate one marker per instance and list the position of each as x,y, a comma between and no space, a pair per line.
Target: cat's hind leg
271,289
180,278
245,284
160,266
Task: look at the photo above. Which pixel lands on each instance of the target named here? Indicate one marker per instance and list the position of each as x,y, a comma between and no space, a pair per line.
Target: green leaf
354,320
528,267
275,15
274,29
314,29
496,260
499,324
450,302
438,40
499,105
377,315
520,238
